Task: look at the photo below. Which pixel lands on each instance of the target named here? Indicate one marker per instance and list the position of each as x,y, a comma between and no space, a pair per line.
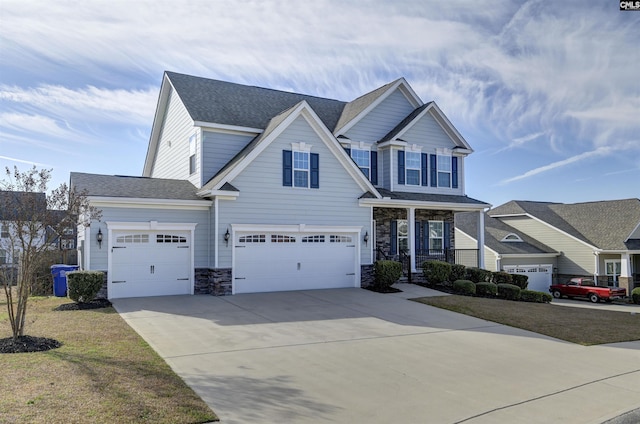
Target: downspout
215,232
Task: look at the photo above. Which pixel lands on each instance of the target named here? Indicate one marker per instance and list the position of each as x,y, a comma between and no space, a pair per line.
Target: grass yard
103,373
578,325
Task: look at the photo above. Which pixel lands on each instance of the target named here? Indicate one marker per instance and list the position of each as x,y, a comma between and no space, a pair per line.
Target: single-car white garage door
279,261
539,275
150,263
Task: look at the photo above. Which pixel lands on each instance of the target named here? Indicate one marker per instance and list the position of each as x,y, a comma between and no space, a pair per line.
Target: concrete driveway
353,356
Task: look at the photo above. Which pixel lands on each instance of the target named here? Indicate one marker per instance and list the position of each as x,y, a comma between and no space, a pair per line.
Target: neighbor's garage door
267,262
150,263
539,275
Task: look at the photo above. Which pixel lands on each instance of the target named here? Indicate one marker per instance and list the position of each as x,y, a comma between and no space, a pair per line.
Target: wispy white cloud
28,162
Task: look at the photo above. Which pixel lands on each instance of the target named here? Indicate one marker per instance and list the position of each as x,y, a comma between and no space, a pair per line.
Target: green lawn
103,373
578,325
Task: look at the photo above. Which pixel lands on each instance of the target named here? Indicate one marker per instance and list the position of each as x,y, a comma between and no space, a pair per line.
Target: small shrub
501,277
464,287
520,280
83,286
478,275
635,295
458,272
531,296
486,289
386,273
436,272
546,297
508,292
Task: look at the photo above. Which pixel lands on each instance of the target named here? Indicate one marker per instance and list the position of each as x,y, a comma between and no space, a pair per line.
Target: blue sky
546,92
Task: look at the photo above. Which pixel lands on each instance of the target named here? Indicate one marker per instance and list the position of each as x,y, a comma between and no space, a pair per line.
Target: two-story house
248,189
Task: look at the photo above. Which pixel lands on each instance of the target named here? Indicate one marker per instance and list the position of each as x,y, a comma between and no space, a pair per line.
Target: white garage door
539,275
150,263
273,261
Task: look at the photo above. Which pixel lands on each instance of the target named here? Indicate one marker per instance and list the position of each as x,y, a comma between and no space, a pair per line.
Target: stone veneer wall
367,276
216,282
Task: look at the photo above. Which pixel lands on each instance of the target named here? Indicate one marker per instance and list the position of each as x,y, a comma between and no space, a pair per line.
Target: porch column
625,280
480,239
411,235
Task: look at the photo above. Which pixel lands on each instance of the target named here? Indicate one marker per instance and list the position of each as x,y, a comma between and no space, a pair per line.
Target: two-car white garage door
267,261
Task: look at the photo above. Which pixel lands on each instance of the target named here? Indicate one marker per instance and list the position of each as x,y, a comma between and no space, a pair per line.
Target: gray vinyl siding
172,159
384,173
428,134
576,258
264,200
144,215
218,149
382,119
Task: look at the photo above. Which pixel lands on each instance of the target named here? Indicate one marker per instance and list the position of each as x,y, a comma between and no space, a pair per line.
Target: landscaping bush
501,277
520,280
486,289
436,272
464,287
546,297
478,275
508,292
386,273
635,295
531,296
458,272
83,286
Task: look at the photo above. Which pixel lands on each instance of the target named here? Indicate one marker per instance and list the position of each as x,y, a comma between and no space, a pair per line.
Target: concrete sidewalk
351,356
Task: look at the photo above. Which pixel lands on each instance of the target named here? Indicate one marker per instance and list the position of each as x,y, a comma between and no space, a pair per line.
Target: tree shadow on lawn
240,399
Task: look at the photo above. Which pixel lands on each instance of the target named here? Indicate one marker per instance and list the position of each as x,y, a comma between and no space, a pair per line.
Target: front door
613,268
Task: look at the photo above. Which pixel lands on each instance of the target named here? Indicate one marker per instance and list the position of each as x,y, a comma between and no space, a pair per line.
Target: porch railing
467,257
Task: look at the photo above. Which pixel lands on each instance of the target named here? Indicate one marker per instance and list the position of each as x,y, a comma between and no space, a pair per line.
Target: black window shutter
425,235
394,237
315,170
287,168
454,172
417,237
348,150
434,170
400,166
374,168
425,159
447,235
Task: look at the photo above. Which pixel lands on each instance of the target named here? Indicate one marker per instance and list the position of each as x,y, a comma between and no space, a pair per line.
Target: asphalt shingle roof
495,231
135,187
229,103
604,224
13,203
429,197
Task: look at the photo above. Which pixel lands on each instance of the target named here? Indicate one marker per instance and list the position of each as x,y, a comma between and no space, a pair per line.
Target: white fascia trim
405,89
159,114
133,202
151,226
387,203
228,128
220,194
392,143
529,255
296,228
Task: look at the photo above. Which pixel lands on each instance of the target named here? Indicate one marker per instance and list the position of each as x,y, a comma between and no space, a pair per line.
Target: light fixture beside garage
99,238
366,237
227,236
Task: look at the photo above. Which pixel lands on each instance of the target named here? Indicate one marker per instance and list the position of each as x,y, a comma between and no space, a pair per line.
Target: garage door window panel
281,238
313,239
254,238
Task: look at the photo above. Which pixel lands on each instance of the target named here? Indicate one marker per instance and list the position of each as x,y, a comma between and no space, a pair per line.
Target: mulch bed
93,304
383,289
27,344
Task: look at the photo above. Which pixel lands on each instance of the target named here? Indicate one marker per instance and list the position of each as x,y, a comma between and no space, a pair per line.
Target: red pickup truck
586,287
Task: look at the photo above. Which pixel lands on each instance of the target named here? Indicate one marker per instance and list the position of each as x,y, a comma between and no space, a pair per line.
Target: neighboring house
248,189
597,239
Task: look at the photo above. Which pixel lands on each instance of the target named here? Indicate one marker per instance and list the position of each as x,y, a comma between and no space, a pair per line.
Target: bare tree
32,221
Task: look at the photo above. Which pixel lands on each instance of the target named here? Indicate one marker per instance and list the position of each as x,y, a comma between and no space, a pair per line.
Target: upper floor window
362,159
4,232
444,171
300,169
413,168
192,154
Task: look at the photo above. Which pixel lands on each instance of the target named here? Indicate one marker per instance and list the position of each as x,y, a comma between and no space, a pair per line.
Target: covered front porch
413,228
620,269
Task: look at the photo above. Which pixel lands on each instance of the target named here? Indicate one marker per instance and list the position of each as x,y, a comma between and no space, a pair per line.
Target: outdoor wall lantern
99,238
227,236
366,237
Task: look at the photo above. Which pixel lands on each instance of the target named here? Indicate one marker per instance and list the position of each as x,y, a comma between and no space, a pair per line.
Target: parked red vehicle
586,287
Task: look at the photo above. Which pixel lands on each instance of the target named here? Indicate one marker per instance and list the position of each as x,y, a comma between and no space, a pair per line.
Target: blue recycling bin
59,273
